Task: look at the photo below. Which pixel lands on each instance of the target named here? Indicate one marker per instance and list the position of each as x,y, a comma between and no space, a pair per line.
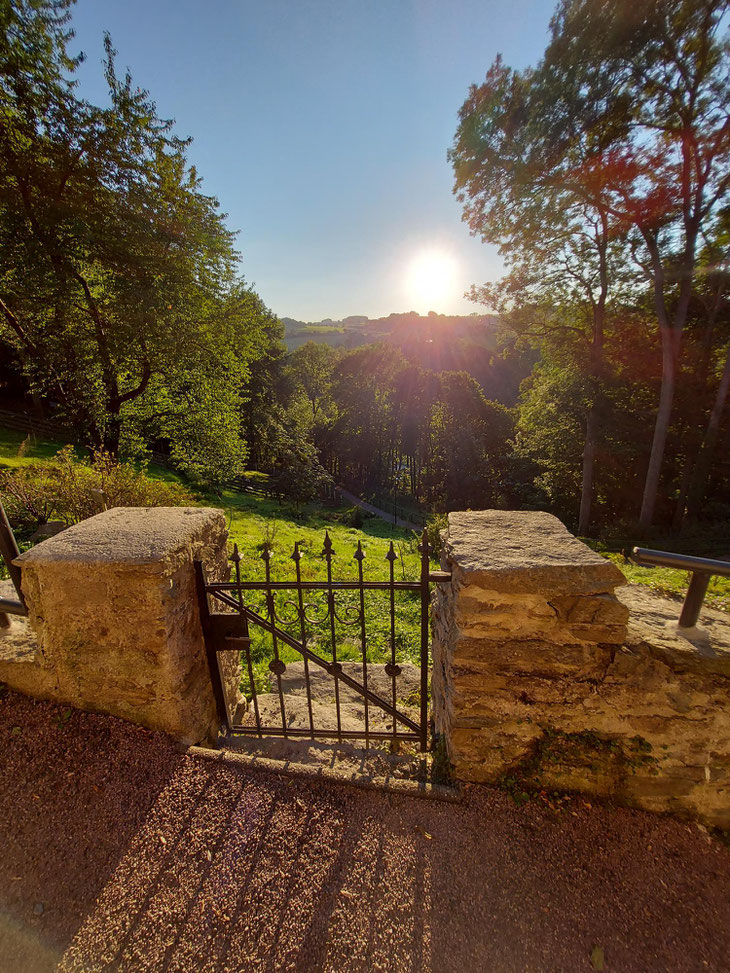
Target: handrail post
694,598
701,570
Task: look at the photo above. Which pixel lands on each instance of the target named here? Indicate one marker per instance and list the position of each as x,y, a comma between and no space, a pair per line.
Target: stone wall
541,679
114,618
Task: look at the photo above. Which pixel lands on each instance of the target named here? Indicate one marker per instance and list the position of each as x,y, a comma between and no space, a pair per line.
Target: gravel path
146,860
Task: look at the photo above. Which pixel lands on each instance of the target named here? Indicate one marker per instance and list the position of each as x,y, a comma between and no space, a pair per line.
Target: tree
311,369
713,294
467,452
297,474
658,72
118,276
561,244
622,127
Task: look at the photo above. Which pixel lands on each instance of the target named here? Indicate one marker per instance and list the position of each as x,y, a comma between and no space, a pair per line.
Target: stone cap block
130,535
526,551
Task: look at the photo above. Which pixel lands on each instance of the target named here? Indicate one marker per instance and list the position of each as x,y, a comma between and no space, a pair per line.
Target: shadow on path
228,869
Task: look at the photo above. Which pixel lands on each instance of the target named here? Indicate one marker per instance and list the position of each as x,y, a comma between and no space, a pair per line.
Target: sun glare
431,281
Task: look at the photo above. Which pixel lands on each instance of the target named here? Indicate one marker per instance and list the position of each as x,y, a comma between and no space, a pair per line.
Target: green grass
255,519
22,449
320,329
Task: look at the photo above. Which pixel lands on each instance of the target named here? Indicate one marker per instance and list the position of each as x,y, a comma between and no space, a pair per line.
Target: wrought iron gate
293,619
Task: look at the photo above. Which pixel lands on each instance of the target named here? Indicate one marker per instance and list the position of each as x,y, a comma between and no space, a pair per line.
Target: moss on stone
561,759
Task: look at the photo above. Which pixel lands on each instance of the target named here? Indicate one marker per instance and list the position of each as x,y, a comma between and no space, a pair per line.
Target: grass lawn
21,449
255,520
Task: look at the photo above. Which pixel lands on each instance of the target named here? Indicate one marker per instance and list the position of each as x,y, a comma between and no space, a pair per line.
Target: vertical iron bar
210,652
328,552
266,557
296,557
425,604
236,558
391,557
360,557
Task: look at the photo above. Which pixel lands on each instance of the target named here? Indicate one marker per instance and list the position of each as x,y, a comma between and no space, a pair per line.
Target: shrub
72,490
354,517
434,525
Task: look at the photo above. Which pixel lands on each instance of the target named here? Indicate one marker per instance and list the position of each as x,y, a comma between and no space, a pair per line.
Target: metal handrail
701,568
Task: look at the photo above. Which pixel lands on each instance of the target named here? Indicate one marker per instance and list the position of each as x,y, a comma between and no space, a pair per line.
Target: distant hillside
359,329
442,342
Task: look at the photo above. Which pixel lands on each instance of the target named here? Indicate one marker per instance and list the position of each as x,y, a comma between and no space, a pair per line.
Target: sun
431,280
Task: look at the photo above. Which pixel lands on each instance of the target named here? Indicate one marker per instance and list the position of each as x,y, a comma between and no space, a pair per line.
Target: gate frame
227,631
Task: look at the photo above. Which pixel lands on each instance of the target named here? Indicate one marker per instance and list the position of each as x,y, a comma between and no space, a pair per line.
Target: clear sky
322,126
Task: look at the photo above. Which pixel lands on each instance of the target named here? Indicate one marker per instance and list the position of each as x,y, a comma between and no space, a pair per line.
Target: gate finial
328,550
424,547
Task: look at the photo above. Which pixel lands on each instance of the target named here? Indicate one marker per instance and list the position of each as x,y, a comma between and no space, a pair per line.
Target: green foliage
71,490
434,525
355,517
597,173
311,368
118,282
297,474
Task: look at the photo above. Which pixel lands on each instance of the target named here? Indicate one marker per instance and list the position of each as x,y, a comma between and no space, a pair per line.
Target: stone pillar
113,605
529,620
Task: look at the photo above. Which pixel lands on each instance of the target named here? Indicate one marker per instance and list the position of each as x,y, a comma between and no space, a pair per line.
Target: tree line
122,306
602,174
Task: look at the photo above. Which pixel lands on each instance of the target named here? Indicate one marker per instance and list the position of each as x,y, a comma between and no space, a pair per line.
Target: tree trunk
695,435
689,463
112,435
661,428
38,411
696,490
589,457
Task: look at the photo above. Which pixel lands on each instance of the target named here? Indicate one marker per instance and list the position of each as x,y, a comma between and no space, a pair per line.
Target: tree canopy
119,282
598,173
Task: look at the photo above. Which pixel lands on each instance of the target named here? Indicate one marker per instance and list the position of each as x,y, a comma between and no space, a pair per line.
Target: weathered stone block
114,607
537,676
602,609
527,552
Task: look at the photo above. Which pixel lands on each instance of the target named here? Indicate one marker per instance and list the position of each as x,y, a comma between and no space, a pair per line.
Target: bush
71,490
434,525
354,517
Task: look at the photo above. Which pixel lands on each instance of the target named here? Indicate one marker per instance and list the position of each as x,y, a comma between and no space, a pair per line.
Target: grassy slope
254,519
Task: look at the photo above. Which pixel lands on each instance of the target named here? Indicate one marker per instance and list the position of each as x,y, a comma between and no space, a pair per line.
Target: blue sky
322,126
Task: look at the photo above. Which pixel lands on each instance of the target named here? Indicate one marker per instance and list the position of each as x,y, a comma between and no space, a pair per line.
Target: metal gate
314,618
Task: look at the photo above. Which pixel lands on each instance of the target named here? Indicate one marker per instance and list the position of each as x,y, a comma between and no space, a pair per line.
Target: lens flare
431,281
